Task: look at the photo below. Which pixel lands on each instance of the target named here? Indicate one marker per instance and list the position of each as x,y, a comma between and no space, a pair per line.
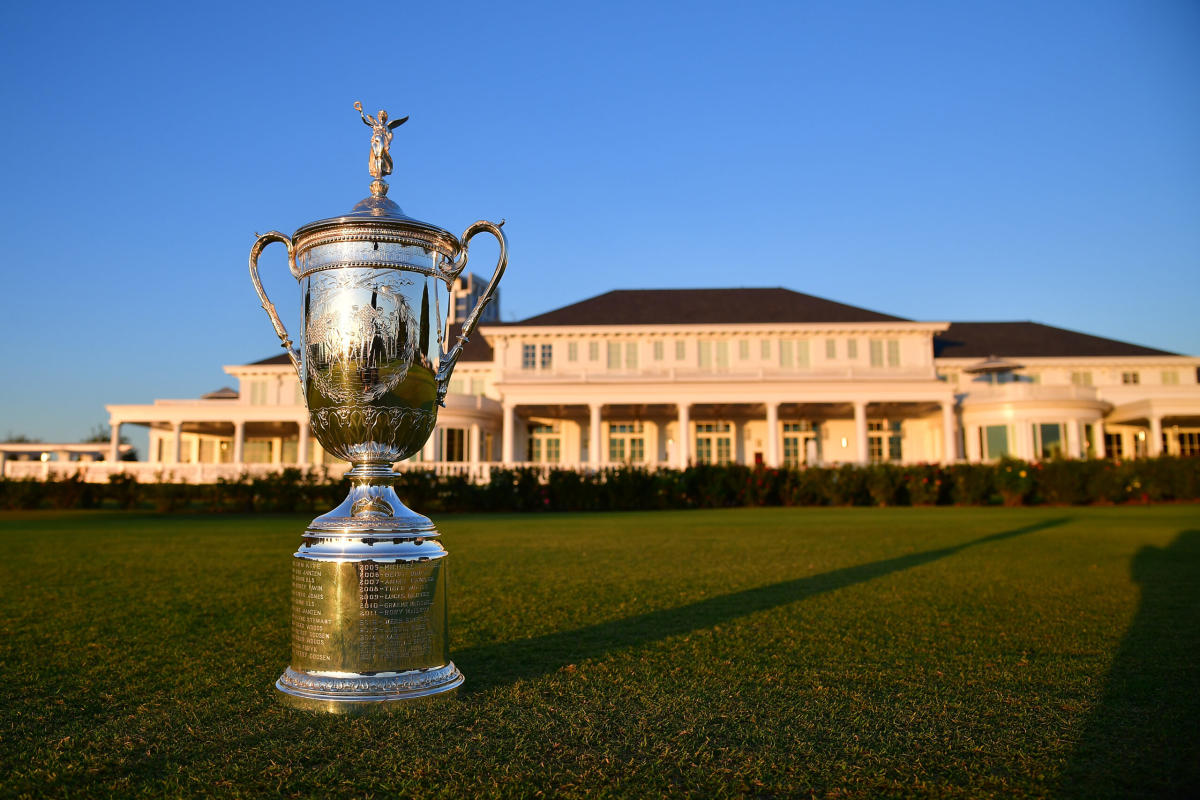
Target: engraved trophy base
369,611
351,693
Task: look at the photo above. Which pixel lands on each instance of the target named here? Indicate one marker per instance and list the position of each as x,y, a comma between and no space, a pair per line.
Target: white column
3,462
302,446
860,432
475,445
683,448
508,447
971,444
1155,443
949,434
772,434
1074,439
114,449
239,442
1098,439
177,436
594,434
195,449
1025,443
429,450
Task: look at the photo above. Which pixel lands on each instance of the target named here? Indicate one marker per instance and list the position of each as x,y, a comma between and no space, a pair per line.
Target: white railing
658,374
1026,391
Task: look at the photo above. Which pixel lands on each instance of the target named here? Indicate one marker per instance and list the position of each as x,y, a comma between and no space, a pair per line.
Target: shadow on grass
1143,739
492,665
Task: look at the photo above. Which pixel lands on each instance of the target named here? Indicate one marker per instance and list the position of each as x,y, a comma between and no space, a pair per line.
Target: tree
103,433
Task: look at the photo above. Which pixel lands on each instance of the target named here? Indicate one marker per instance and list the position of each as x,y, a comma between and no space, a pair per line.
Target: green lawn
942,652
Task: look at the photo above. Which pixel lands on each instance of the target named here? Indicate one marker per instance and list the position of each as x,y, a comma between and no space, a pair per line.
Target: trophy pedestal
369,611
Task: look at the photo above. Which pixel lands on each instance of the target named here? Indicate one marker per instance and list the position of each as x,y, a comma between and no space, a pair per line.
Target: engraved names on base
367,616
395,625
311,616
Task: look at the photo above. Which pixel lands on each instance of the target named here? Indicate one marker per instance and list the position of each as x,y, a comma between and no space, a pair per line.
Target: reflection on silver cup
368,582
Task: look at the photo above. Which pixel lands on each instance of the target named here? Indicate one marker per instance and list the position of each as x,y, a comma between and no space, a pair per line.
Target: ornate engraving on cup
369,605
357,349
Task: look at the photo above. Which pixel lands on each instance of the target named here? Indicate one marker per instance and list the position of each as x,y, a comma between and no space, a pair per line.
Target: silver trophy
369,616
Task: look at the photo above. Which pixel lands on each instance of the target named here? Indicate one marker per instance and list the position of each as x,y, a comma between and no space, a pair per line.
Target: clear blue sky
940,161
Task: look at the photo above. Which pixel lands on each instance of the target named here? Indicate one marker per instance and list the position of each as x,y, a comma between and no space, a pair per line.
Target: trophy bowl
369,609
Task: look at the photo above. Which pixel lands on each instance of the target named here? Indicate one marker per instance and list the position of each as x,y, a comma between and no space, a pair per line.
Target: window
802,353
547,356
614,355
528,356
722,356
1048,440
893,352
1081,378
572,351
830,349
743,349
626,443
658,350
704,354
1113,445
764,349
796,436
876,347
1170,377
208,449
454,441
258,393
714,443
631,355
1189,443
994,441
884,440
1131,377
545,446
476,385
593,351
680,349
852,349
258,451
787,355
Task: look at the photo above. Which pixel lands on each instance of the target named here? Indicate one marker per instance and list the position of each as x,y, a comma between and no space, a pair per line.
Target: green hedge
1007,482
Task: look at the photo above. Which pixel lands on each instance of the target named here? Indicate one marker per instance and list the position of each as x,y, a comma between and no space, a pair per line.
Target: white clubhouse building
750,376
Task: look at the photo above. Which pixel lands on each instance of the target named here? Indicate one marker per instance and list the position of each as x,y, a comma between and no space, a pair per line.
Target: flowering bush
1014,480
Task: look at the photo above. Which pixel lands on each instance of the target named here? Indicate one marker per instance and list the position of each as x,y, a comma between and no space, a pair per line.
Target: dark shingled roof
282,358
1028,340
704,306
476,348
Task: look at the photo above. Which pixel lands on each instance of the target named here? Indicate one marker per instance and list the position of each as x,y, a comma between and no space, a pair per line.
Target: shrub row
1007,482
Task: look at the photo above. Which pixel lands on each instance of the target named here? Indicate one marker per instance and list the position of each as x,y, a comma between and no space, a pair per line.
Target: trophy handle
268,306
468,327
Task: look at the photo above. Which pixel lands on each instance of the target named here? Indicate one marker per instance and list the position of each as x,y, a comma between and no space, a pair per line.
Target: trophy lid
378,210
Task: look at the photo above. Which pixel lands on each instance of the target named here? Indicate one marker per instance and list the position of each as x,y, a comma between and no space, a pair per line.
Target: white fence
99,471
